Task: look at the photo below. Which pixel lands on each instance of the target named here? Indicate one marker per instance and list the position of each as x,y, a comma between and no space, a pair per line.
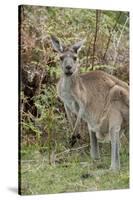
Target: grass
75,172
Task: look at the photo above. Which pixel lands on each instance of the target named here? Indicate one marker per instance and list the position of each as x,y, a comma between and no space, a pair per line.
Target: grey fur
98,98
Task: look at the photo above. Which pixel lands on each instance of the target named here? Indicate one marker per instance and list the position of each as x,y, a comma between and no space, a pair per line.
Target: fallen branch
73,149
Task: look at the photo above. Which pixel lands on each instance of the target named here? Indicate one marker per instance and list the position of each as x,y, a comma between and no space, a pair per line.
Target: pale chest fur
65,92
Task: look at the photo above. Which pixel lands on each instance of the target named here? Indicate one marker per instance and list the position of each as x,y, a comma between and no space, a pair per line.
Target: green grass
74,172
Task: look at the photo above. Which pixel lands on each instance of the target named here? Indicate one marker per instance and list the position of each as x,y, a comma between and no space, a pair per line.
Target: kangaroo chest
68,98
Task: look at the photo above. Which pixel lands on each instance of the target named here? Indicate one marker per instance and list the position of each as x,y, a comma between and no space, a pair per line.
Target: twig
73,149
95,38
27,161
109,39
118,41
88,50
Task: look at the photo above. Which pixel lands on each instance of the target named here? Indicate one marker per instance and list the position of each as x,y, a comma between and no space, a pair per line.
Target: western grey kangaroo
98,98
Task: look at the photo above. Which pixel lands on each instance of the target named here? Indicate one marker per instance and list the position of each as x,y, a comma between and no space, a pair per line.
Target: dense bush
43,120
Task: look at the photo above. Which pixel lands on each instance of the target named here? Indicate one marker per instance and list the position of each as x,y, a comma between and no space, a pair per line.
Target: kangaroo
98,98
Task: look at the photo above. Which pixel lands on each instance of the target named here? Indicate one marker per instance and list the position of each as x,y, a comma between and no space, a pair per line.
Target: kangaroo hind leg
115,122
94,146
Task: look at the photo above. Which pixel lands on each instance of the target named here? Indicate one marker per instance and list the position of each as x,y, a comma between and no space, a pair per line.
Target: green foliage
48,116
71,25
45,131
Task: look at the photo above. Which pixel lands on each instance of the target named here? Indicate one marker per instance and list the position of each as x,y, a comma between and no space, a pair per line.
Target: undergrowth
46,164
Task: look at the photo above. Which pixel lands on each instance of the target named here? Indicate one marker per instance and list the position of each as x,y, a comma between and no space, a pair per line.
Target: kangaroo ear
78,45
56,44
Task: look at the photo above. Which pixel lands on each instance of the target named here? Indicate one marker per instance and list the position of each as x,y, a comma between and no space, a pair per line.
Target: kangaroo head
68,55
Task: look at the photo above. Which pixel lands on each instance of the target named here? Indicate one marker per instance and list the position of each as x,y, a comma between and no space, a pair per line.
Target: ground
76,172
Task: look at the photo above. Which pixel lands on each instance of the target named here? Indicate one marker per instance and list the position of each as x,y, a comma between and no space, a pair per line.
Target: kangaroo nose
68,67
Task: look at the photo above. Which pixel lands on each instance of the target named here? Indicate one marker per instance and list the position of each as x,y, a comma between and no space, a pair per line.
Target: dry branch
109,39
95,36
118,42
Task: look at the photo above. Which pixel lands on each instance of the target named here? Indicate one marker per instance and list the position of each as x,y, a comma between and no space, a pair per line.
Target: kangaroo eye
61,58
74,58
